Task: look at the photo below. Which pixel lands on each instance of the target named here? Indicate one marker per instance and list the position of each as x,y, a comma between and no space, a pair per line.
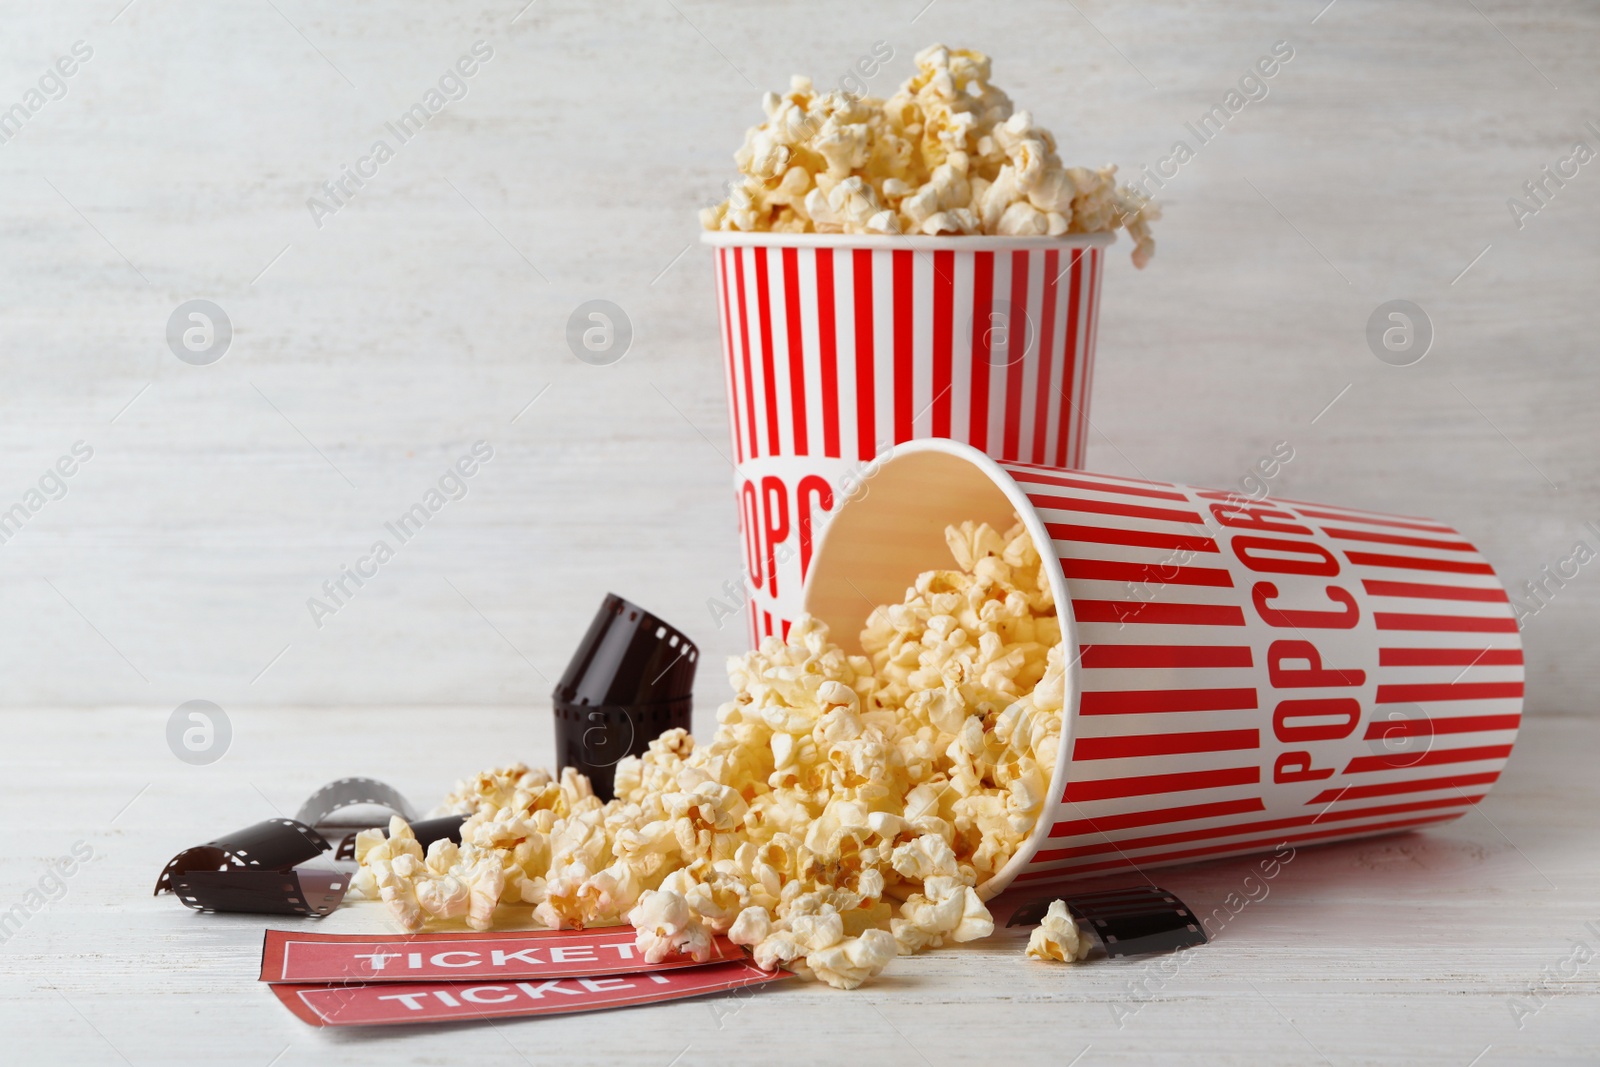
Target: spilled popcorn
946,154
843,813
1057,937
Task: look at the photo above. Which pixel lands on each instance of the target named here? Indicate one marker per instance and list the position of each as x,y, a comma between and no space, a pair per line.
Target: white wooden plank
1411,948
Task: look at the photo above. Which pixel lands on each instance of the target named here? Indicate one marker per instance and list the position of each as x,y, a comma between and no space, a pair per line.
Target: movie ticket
292,956
432,1002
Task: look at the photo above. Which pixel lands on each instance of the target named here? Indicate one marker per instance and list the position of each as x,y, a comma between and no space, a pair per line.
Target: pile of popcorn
946,154
842,814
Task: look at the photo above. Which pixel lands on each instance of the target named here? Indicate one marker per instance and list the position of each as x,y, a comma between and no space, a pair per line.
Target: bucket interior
892,529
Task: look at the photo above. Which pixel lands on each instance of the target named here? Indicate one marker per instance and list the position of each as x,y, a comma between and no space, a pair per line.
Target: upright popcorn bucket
838,346
1242,674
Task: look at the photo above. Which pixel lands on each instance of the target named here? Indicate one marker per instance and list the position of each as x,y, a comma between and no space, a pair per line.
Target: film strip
254,870
259,869
630,680
349,792
427,831
1127,922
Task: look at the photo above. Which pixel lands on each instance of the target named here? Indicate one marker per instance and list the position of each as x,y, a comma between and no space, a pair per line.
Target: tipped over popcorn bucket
839,346
1242,673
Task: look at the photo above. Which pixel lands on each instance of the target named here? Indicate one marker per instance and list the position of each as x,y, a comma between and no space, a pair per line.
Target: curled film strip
258,869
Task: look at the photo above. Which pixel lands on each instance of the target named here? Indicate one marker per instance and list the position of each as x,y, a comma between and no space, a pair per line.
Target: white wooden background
370,353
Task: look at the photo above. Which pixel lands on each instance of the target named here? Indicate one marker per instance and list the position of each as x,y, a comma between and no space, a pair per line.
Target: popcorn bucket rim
1045,545
913,243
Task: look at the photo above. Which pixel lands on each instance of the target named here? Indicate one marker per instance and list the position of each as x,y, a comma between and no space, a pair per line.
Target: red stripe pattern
832,354
1253,674
965,339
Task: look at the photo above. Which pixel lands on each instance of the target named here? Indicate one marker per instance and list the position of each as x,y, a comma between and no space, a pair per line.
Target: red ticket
301,957
432,1002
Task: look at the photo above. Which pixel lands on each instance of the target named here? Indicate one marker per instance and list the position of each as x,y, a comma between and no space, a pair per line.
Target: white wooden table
1418,948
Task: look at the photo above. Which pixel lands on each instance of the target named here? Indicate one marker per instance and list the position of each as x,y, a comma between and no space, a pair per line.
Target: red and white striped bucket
839,346
1244,674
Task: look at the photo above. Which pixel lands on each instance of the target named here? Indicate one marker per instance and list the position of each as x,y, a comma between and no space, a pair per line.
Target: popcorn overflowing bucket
839,346
1243,673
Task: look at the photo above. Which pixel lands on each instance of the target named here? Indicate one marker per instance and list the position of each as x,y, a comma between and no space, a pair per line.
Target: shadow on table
1407,869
